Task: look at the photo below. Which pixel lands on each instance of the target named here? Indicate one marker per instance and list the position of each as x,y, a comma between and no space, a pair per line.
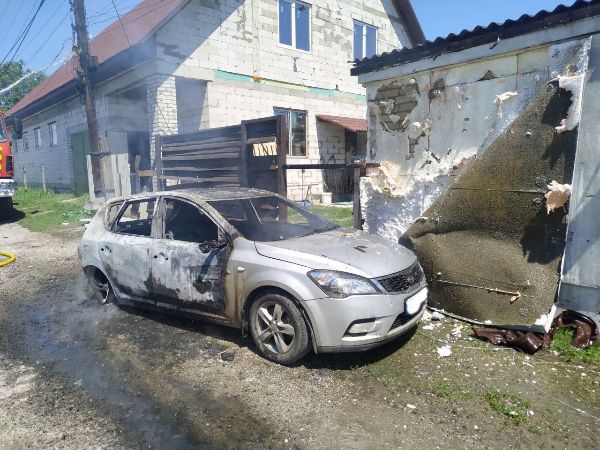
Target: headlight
342,284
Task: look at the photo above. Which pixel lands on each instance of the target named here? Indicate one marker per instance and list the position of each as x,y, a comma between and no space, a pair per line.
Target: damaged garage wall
425,127
464,177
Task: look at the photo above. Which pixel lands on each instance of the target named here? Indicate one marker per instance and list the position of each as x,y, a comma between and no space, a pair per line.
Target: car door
189,259
125,249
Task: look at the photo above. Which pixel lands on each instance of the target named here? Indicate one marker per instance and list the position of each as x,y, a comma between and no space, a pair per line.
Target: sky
48,42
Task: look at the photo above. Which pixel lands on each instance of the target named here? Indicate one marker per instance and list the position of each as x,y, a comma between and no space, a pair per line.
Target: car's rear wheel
278,329
103,289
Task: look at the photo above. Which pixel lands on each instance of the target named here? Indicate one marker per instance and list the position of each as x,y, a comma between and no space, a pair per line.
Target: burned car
254,260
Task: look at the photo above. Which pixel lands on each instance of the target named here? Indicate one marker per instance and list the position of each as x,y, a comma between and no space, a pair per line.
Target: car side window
136,218
186,222
111,214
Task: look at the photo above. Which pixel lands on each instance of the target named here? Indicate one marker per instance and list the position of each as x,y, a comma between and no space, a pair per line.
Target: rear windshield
270,218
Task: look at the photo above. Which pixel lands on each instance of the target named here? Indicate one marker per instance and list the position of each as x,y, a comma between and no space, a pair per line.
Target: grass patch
562,344
338,215
45,211
445,389
511,406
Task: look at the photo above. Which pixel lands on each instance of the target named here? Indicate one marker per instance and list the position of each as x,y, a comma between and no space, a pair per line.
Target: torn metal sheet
489,249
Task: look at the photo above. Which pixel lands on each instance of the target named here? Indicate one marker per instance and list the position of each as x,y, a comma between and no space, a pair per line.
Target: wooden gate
251,154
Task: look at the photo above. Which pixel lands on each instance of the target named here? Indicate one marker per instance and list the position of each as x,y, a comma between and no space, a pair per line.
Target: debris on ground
557,196
586,333
586,330
444,351
529,342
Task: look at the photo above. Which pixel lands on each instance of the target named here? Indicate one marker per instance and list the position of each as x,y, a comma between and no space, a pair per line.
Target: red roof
349,123
140,23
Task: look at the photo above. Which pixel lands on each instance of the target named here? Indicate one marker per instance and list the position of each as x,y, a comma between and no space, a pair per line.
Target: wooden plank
317,166
201,169
211,133
244,156
233,155
199,145
282,152
158,160
146,173
202,180
356,211
215,152
261,140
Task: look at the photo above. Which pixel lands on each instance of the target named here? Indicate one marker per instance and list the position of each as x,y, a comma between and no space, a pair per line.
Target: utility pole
85,63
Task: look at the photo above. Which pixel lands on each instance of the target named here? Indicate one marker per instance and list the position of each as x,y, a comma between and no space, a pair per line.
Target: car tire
279,329
104,291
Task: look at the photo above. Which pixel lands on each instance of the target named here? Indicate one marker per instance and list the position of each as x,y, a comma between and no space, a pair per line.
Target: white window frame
37,138
293,25
277,111
53,132
25,142
364,27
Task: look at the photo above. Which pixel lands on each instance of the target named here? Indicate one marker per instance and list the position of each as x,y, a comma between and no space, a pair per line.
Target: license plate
413,304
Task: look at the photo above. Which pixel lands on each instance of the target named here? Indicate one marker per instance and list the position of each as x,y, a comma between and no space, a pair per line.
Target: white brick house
177,66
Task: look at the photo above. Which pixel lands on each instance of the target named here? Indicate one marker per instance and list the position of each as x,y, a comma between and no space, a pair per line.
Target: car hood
341,249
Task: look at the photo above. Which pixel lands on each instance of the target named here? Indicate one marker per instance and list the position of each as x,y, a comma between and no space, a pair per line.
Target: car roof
204,194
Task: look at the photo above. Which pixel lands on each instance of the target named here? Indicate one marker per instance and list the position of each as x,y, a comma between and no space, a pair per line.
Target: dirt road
75,374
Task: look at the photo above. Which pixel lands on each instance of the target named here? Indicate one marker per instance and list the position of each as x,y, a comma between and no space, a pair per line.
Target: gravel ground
75,374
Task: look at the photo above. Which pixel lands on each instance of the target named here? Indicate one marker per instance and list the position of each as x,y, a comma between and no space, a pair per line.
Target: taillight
9,163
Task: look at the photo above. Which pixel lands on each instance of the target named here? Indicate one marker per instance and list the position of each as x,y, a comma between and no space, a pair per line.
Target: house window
37,136
25,142
365,40
296,121
294,24
53,134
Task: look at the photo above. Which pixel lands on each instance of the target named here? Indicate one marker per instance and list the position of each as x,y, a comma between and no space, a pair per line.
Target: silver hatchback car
256,261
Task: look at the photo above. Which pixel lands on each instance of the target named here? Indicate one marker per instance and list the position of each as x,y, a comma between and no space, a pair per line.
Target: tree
9,74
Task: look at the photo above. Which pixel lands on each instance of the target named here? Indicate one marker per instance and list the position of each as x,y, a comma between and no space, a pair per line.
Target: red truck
8,186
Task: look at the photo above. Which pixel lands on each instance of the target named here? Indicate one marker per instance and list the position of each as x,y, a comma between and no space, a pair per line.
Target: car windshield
270,218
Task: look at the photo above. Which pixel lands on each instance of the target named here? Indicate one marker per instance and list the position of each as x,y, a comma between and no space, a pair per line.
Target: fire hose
6,262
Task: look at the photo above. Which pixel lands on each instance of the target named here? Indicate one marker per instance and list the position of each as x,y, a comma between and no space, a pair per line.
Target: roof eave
410,21
122,62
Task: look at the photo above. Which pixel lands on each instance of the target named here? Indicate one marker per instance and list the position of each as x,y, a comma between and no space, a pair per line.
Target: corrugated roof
349,123
140,23
492,33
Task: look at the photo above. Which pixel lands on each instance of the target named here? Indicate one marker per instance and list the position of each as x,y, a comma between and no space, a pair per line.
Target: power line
43,27
23,35
8,30
165,3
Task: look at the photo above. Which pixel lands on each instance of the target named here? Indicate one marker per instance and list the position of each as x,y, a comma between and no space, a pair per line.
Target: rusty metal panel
489,248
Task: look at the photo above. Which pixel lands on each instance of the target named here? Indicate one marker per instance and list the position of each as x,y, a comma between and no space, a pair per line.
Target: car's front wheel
278,329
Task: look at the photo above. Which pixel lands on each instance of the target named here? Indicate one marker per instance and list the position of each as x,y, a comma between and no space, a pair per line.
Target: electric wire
23,35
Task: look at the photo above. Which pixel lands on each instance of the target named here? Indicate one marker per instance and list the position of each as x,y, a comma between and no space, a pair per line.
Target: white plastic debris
409,406
444,351
505,96
436,316
557,195
530,413
575,86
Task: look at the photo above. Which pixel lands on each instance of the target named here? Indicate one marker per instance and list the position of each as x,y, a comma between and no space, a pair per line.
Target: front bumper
8,188
332,318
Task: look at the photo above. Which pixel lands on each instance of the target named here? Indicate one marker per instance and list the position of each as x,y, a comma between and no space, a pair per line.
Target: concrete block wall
113,114
162,107
243,37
